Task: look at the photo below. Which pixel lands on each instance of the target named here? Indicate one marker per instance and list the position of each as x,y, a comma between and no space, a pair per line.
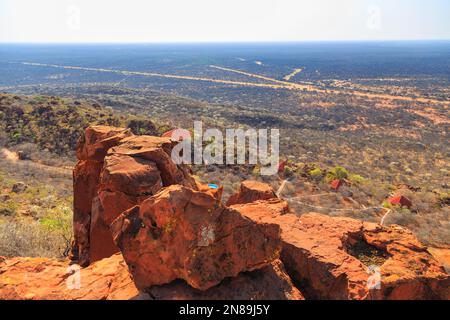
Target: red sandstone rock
157,150
251,191
135,169
97,140
50,279
115,172
105,208
130,175
177,134
442,255
332,258
85,183
124,182
170,227
91,150
268,283
185,234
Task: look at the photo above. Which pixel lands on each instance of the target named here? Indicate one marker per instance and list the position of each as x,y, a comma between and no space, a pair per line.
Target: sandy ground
13,158
9,155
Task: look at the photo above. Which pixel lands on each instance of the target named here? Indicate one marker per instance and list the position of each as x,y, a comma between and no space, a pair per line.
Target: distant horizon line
215,42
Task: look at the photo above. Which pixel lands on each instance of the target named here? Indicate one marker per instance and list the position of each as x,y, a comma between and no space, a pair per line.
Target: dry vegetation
35,210
380,147
37,141
54,124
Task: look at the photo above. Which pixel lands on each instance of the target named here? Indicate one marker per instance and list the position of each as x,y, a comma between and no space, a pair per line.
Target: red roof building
177,134
282,166
401,201
336,184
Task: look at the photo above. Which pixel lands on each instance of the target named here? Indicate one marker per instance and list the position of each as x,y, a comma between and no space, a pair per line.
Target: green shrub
337,172
16,136
59,222
316,173
386,204
356,178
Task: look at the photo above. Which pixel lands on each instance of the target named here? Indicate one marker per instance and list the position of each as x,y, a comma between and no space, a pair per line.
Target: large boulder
97,140
91,150
86,175
124,182
268,283
343,258
130,175
116,171
159,151
185,234
251,191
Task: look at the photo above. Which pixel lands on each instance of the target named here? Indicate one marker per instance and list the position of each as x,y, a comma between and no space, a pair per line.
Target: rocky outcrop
116,170
343,258
157,150
268,283
185,234
442,255
109,279
251,191
178,241
91,150
97,140
50,279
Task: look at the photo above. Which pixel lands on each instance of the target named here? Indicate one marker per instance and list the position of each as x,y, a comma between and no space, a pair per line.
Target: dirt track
13,158
9,155
276,84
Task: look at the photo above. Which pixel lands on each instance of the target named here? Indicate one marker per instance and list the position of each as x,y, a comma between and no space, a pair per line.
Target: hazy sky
224,20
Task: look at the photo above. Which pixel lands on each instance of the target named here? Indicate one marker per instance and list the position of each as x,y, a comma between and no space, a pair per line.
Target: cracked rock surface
185,234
